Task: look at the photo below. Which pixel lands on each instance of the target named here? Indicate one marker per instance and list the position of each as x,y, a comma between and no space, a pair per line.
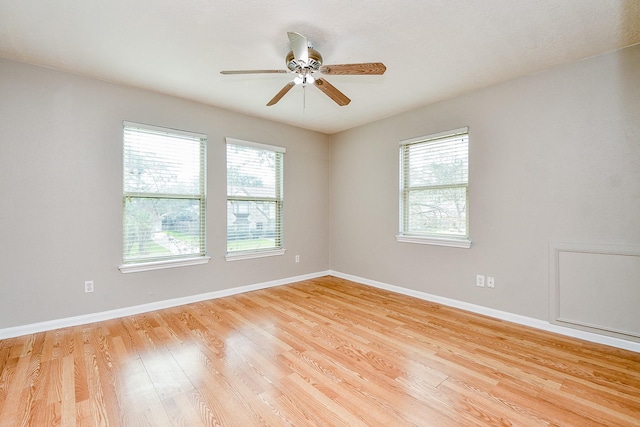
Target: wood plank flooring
323,352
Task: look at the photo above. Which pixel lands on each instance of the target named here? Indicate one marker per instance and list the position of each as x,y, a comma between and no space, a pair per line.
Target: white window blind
434,186
164,194
254,197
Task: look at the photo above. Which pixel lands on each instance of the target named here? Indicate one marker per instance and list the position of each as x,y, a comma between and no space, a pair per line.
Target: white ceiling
433,49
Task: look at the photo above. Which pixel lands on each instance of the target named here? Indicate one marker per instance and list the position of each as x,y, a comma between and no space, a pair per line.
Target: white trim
498,314
163,130
159,265
144,308
239,256
439,241
258,145
439,135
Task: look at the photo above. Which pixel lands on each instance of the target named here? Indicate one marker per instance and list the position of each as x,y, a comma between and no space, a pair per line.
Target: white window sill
437,241
238,256
158,265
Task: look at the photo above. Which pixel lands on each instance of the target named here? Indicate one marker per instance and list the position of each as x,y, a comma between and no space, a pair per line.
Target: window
164,201
434,189
254,199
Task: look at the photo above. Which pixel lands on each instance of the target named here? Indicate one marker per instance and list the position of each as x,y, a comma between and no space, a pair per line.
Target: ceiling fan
304,61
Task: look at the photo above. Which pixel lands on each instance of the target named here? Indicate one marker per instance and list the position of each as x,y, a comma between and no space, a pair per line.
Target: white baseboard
144,308
498,314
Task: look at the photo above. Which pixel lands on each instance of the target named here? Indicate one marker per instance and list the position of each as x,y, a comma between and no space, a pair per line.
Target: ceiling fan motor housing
313,64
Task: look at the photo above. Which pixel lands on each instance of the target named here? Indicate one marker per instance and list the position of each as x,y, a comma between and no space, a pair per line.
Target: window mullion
436,187
136,195
252,199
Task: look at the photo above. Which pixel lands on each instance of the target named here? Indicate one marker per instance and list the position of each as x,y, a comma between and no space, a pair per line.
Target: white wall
61,196
554,156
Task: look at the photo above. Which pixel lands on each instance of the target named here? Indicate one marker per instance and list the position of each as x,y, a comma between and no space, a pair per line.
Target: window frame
132,265
411,236
278,200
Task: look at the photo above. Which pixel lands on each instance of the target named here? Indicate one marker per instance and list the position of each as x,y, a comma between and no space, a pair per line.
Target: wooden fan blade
372,68
299,47
333,93
252,71
280,94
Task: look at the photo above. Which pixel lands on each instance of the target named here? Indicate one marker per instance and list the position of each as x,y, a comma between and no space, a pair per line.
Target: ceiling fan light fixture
304,78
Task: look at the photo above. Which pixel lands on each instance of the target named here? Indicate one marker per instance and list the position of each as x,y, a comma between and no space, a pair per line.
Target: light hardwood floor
322,352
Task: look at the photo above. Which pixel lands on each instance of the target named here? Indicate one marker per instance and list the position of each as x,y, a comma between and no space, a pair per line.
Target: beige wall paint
61,186
554,156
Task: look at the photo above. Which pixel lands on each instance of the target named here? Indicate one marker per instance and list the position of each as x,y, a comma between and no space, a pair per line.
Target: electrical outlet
491,283
480,280
297,258
88,286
